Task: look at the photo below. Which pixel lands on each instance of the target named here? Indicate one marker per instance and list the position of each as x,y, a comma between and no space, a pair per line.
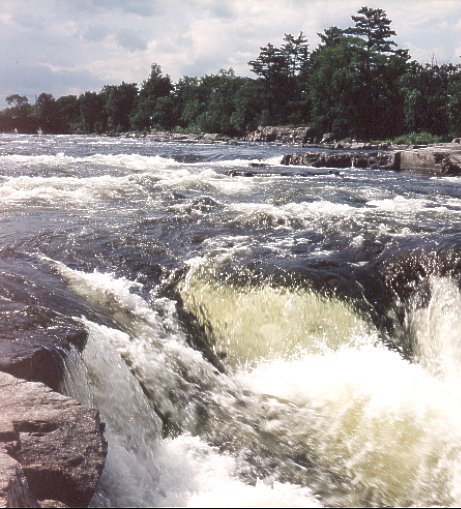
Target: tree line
356,84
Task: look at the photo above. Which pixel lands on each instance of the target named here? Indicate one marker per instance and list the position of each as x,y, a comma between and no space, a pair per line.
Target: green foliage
17,101
374,27
156,85
67,114
331,36
283,73
93,116
154,107
417,138
119,102
19,116
431,94
336,87
454,104
356,84
46,112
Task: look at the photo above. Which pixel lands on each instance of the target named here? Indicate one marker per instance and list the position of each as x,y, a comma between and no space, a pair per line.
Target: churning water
255,336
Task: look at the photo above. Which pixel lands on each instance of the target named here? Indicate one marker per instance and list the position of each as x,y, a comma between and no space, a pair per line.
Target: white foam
55,191
287,215
400,204
386,424
117,295
208,479
392,428
142,469
130,161
436,329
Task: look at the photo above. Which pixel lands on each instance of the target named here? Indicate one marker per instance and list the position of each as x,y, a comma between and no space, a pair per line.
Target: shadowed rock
283,134
51,447
14,489
437,160
442,159
342,159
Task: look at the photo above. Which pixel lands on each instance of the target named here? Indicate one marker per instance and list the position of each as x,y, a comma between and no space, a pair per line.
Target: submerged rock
51,447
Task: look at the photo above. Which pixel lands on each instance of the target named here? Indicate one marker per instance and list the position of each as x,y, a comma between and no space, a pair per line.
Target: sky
69,46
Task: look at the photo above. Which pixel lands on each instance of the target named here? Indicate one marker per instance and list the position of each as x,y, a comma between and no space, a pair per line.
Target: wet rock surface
432,160
438,159
342,159
283,134
52,449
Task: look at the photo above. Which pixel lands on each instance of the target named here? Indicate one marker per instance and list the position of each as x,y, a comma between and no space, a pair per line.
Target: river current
255,335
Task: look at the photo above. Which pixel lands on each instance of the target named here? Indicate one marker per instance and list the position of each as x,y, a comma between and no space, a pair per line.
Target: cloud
31,81
130,40
95,42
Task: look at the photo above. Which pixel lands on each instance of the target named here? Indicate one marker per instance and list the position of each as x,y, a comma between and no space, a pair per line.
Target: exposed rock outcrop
283,134
14,489
341,159
438,160
432,160
51,447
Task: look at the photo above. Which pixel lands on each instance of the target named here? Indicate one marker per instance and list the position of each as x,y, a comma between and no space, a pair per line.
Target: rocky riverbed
444,159
52,449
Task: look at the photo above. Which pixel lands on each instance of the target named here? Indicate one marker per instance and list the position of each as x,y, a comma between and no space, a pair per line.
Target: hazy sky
69,46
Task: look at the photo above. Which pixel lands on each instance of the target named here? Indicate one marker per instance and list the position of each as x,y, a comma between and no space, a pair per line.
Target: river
255,335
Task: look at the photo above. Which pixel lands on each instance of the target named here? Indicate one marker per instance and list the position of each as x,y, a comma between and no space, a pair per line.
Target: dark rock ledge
444,159
52,449
341,159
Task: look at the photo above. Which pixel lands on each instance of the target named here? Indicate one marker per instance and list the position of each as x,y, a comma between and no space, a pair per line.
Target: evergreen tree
93,116
19,115
362,59
67,111
373,26
120,101
331,36
283,73
47,113
147,113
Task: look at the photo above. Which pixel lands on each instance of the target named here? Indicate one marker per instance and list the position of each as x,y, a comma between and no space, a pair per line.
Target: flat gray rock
442,159
51,447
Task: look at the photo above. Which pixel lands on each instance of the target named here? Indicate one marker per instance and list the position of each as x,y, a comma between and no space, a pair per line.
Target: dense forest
356,84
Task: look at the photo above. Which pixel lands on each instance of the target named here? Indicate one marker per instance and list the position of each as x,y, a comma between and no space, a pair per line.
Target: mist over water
265,340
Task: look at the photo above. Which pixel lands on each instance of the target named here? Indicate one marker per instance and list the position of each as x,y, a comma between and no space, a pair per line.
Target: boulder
14,489
52,449
283,134
436,160
432,160
327,138
341,159
37,355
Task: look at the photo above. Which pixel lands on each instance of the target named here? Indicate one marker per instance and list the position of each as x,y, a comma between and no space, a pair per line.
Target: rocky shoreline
440,160
52,449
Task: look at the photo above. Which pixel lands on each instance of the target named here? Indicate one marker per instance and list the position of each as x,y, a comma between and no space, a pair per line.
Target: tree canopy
355,83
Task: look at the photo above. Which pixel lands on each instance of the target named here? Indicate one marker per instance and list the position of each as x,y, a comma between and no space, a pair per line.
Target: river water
256,335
